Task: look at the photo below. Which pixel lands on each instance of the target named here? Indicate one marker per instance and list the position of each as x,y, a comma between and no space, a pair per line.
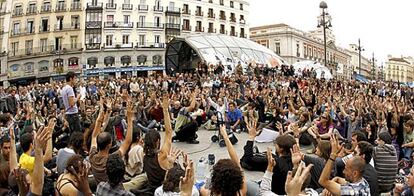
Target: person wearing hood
385,162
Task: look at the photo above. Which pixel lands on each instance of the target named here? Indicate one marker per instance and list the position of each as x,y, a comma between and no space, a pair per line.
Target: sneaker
193,142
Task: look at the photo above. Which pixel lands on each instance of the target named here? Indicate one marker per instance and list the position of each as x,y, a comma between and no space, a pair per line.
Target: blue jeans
406,153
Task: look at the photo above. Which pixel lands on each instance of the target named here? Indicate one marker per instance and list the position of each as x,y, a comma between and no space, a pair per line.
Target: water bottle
202,167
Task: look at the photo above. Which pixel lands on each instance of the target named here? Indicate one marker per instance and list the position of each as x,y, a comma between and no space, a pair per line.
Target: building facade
47,38
399,69
294,45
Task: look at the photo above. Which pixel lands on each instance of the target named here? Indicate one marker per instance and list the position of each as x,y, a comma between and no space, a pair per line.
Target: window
29,47
157,39
185,9
32,8
210,13
46,7
109,40
125,39
198,12
221,2
242,32
126,19
58,43
141,40
232,31
43,45
222,15
126,60
186,25
141,21
277,48
231,4
109,61
142,59
59,22
222,29
30,26
73,62
157,22
75,22
45,25
73,42
92,61
15,48
157,60
211,27
199,26
297,50
16,28
241,6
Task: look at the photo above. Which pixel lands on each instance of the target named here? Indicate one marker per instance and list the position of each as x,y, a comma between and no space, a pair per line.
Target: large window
74,62
109,40
73,42
125,39
43,45
109,61
92,62
142,59
29,47
125,60
157,60
277,48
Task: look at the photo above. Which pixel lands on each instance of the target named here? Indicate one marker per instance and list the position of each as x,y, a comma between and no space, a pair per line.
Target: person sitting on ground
67,183
134,163
102,142
385,162
170,186
115,167
227,175
364,150
234,118
407,188
185,127
157,161
353,184
74,147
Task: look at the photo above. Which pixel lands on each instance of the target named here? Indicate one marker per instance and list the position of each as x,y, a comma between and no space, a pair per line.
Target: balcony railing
67,27
211,30
111,6
118,45
186,12
18,12
94,5
232,19
76,6
31,10
242,35
173,10
150,25
186,28
199,29
211,15
158,9
172,26
93,46
242,21
94,24
232,33
142,7
222,31
44,30
45,8
60,7
118,25
30,31
199,13
222,17
126,6
150,45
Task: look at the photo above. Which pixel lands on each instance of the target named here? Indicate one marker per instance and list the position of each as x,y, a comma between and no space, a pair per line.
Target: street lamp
373,60
359,49
325,24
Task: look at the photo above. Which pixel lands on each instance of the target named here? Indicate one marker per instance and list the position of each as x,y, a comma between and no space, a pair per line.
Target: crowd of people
103,137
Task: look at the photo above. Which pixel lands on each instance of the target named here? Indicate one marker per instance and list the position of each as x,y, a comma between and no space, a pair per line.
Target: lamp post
373,65
360,49
325,24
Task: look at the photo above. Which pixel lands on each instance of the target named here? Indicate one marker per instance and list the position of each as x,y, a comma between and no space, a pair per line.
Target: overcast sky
384,26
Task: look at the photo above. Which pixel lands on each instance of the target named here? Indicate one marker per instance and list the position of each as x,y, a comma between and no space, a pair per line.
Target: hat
385,136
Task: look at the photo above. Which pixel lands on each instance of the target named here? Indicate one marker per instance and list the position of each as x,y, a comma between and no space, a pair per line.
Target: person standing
69,101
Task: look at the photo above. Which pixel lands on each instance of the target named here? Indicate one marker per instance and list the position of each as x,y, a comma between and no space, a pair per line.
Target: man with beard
353,184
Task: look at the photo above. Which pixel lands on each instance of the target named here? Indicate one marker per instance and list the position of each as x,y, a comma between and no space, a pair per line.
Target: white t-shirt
135,163
160,192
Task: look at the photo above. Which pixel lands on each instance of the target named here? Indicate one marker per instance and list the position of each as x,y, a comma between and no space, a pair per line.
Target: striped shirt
386,164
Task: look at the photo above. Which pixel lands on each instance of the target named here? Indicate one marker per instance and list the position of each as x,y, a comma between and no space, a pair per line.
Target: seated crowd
103,137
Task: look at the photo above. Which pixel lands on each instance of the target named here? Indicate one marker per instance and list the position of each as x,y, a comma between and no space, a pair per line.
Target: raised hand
293,184
41,137
270,160
165,101
172,156
296,154
187,182
335,146
130,111
20,176
252,128
223,131
82,179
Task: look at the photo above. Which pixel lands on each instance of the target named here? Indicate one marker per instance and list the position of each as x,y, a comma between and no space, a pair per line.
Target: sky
384,26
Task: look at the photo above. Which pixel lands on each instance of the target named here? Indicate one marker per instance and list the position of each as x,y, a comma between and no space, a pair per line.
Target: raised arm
233,155
128,139
49,148
324,180
41,139
193,100
166,147
13,154
98,125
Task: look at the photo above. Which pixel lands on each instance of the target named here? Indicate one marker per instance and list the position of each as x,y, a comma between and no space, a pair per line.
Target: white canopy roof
321,71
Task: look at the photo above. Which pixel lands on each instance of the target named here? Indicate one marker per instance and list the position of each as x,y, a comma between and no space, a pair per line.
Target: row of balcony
113,6
130,45
131,25
46,50
44,29
32,10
